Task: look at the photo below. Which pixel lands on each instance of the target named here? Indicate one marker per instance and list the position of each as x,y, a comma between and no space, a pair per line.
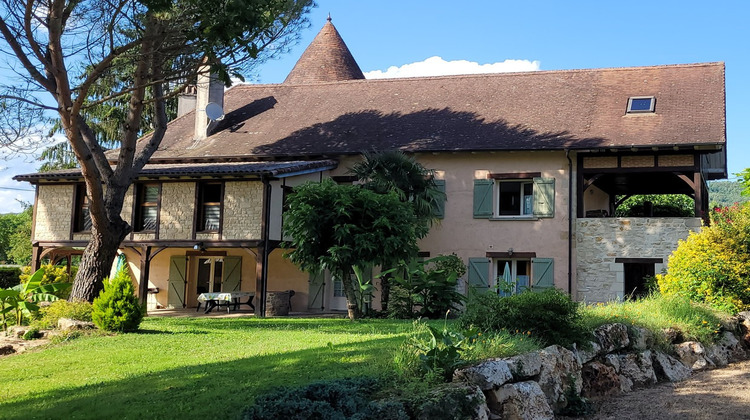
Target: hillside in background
725,193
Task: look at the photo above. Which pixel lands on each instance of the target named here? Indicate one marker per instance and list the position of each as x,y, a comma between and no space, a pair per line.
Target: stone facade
176,213
600,241
54,204
243,207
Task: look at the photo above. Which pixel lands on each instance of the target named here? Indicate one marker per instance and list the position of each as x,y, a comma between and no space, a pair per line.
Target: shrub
80,311
53,274
713,266
551,316
425,289
9,277
337,399
31,334
117,308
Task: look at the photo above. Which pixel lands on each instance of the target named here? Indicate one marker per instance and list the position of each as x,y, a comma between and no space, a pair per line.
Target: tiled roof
545,110
326,59
201,169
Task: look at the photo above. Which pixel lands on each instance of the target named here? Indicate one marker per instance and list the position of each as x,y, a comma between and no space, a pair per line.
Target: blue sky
557,34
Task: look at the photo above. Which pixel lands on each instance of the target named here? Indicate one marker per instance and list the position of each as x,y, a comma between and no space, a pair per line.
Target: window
506,198
639,104
209,206
147,207
512,275
82,216
486,274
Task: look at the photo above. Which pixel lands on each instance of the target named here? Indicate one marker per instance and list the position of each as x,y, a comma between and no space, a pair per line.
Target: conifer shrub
117,308
713,266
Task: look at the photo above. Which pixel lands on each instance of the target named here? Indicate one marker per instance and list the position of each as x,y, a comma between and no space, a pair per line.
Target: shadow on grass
218,389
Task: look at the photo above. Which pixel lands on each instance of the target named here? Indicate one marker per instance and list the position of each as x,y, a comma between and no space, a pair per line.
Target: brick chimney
208,89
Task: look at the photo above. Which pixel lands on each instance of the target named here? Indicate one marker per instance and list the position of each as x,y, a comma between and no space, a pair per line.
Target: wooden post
36,256
144,274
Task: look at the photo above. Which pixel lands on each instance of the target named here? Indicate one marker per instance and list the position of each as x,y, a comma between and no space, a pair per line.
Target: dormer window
640,104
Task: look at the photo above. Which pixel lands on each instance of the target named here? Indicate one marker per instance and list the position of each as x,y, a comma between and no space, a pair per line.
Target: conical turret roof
326,59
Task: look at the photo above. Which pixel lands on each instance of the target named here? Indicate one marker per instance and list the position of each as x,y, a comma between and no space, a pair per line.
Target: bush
551,316
713,266
117,308
80,311
425,289
52,274
9,277
338,399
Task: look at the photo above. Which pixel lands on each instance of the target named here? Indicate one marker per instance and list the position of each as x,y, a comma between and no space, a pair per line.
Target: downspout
570,223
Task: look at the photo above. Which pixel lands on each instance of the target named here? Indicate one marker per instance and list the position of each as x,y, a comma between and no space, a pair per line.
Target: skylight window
638,104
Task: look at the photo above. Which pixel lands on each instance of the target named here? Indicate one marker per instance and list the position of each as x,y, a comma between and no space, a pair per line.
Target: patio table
229,299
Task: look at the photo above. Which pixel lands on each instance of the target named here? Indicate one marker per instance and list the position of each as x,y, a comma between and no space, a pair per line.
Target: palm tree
393,170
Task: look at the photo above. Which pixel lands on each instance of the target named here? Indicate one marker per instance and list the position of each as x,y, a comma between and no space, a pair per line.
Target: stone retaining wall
537,385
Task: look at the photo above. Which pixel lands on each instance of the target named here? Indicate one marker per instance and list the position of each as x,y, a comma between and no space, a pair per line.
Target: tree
140,52
726,193
745,181
659,205
340,227
394,171
15,236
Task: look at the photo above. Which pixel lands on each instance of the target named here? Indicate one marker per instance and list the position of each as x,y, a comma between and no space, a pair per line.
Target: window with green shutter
483,198
542,274
439,204
479,274
544,197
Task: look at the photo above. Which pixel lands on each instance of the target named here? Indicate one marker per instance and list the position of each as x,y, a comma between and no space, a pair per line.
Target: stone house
533,166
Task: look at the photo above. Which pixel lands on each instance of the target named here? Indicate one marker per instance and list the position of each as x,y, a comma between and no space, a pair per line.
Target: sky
419,37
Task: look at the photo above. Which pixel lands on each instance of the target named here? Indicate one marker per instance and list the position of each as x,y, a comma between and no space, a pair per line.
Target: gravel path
715,394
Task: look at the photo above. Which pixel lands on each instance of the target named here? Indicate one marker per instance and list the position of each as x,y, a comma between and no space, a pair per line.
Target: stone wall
176,213
600,241
53,207
619,359
243,206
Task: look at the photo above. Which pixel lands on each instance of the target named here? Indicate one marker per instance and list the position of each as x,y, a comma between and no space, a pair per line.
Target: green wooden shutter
479,274
439,204
542,274
232,277
316,290
177,282
544,197
483,198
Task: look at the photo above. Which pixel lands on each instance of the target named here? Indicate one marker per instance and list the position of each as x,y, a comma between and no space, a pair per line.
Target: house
533,166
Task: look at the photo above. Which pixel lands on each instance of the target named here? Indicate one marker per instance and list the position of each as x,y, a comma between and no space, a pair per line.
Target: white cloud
436,66
11,191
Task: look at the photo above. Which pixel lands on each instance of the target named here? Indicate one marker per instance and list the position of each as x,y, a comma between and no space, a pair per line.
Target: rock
67,324
626,385
520,400
612,360
524,366
743,325
6,349
612,337
490,374
640,338
673,335
16,331
436,407
693,355
599,380
587,354
638,368
669,368
727,350
559,367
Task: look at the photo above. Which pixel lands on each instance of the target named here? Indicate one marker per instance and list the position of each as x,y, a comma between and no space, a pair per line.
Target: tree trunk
352,308
385,292
97,259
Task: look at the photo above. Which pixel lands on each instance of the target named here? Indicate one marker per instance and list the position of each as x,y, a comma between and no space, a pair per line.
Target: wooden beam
36,256
145,266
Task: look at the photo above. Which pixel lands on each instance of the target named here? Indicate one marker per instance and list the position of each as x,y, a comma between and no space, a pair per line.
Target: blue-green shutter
479,274
483,198
439,204
316,290
542,274
177,282
232,276
544,197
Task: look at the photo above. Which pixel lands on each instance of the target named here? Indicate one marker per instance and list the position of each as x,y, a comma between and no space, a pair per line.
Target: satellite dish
214,111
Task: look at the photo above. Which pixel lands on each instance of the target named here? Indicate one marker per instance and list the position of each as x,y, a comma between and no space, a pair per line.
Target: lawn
191,367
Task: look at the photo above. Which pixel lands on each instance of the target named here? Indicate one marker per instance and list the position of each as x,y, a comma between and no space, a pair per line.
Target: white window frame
496,199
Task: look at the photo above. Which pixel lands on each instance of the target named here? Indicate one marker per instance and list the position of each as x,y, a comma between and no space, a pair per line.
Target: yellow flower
705,322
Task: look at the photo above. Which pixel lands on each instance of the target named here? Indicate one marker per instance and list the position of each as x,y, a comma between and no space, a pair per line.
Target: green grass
696,322
191,367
